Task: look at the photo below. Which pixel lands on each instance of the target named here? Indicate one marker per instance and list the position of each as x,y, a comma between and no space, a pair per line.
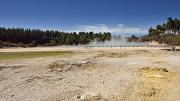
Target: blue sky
116,16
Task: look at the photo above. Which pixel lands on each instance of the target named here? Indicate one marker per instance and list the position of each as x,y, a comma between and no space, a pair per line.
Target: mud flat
94,74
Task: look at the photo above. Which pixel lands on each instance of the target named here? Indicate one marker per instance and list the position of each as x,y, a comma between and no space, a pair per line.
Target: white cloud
120,29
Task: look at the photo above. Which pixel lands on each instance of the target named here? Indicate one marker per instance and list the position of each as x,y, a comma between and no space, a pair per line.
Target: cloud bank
118,29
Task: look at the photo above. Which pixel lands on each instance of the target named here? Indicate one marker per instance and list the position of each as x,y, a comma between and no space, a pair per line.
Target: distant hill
167,33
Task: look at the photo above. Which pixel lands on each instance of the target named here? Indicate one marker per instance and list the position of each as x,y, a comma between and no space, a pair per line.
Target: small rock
12,95
78,97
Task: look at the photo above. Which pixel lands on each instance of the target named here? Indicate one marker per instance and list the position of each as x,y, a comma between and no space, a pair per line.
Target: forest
167,33
19,37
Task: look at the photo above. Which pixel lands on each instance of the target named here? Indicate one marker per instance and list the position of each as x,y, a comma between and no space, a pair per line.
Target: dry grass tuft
158,69
153,72
66,66
54,65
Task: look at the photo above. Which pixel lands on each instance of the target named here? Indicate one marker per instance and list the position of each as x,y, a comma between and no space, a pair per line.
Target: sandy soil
95,74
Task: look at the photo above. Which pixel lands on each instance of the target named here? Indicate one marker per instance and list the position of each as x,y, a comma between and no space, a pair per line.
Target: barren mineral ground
93,74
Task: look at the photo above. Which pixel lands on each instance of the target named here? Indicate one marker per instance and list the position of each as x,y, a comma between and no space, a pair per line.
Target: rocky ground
95,74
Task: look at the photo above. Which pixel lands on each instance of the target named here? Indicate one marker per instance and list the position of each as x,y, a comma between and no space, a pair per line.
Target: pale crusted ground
95,74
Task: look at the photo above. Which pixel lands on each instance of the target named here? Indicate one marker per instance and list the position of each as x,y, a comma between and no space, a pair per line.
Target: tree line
167,33
19,37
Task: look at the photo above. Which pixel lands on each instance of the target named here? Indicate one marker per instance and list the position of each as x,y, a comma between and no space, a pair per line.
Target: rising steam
115,42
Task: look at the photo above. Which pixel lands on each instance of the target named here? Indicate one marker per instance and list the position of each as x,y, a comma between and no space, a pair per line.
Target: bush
33,44
52,43
21,45
1,44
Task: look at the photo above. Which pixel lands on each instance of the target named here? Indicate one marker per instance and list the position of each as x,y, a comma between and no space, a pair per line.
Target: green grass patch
25,55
